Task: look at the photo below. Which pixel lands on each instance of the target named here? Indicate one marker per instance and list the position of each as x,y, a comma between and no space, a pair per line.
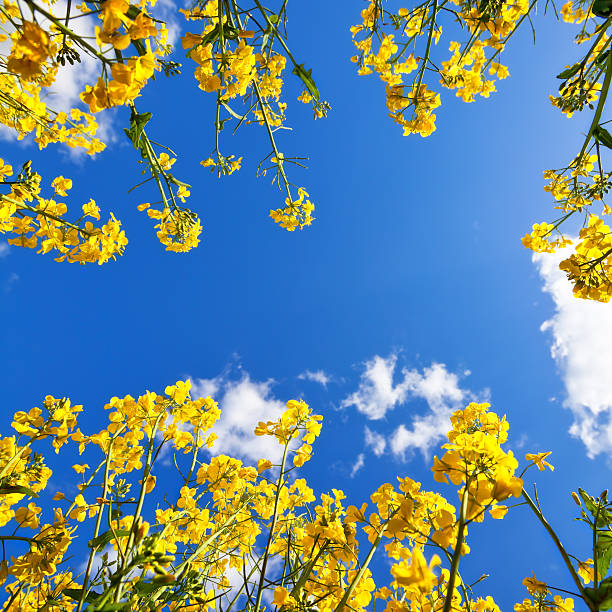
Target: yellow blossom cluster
468,71
219,518
35,221
296,214
589,267
125,25
296,421
474,458
178,228
539,242
128,46
229,65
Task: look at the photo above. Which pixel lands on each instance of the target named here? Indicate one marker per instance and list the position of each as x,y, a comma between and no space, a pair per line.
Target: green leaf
137,125
113,607
604,552
145,588
569,72
11,489
304,75
603,136
600,597
107,537
602,8
75,594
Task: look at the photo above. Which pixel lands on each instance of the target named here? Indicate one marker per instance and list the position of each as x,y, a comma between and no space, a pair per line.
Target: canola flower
400,45
240,56
221,518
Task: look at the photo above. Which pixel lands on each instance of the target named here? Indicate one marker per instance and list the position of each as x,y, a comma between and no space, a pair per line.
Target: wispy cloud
581,333
10,282
359,463
318,376
375,441
5,249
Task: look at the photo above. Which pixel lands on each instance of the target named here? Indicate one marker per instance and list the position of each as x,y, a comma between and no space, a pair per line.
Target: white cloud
381,389
582,348
375,441
359,463
440,389
376,393
318,376
243,404
5,249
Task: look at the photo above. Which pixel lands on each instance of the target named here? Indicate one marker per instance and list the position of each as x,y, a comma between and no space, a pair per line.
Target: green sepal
140,48
133,12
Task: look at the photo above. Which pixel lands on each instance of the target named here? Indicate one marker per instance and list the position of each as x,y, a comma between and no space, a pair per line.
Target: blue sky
410,295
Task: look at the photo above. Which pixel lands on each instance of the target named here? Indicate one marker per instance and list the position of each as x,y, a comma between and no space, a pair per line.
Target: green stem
427,48
145,473
364,567
600,105
560,548
280,483
98,520
457,552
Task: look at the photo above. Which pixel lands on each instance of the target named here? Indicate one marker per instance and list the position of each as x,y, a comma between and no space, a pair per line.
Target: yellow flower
28,516
263,464
416,573
538,459
535,586
282,598
91,210
61,185
586,570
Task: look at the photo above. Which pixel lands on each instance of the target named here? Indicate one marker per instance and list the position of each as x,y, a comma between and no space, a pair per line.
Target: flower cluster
35,221
183,545
475,459
469,70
